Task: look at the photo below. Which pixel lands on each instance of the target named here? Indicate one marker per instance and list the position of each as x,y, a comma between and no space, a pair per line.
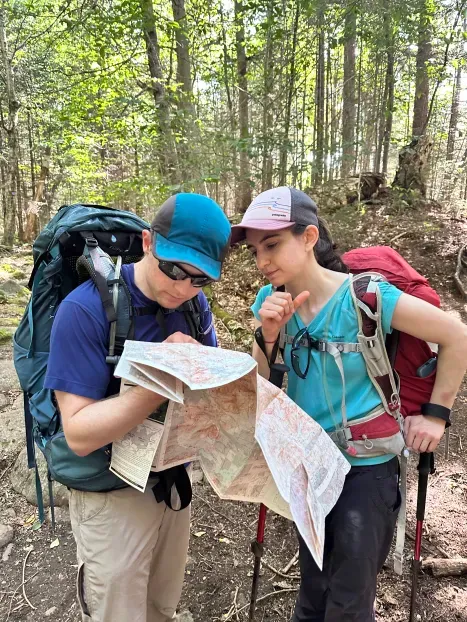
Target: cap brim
177,253
239,231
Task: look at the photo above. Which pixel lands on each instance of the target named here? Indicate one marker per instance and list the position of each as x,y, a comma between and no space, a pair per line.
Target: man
131,549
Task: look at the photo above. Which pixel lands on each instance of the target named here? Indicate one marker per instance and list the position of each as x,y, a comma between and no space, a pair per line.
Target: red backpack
407,354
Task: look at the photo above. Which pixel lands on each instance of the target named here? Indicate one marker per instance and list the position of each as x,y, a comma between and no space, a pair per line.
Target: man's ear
311,234
147,241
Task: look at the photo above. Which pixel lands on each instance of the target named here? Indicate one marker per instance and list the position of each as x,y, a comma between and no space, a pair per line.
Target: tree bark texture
348,109
422,82
167,152
34,207
12,138
284,151
389,85
320,95
244,185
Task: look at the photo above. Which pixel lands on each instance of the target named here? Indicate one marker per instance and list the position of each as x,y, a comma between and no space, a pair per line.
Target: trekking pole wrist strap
438,411
259,338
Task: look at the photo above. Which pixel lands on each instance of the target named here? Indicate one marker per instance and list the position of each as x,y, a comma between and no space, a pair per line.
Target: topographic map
253,442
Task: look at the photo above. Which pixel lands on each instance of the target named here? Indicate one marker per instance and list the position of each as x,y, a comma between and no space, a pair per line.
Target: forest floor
37,573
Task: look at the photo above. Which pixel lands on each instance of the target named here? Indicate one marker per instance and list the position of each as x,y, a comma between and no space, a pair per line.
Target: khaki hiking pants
131,555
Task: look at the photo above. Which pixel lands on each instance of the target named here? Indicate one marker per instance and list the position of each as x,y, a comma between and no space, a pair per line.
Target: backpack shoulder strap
114,294
368,304
192,312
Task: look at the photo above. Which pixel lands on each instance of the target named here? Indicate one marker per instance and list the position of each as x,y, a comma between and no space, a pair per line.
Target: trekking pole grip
425,468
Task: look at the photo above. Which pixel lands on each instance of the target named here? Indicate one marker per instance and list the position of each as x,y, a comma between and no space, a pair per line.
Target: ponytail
325,249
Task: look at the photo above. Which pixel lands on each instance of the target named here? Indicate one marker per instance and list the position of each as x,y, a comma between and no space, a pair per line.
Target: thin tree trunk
288,107
20,194
167,150
12,136
183,51
3,173
31,155
389,85
348,108
267,167
244,186
320,113
34,207
359,109
230,106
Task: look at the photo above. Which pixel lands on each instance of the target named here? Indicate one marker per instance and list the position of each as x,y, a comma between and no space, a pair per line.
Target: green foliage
82,80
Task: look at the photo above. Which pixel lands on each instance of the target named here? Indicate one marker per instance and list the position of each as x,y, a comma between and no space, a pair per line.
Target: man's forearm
104,421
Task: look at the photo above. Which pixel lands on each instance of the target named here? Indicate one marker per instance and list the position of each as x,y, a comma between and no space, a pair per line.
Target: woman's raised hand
277,310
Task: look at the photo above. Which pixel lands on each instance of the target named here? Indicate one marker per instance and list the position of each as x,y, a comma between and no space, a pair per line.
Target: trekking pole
426,466
278,371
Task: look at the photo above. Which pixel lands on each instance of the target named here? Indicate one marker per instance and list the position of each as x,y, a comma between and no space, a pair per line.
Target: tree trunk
31,154
454,118
320,112
284,150
244,185
412,173
348,109
167,151
3,174
12,137
183,51
422,82
389,85
34,207
232,116
267,129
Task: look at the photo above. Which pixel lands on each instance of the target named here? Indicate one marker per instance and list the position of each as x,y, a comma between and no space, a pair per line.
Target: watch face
160,413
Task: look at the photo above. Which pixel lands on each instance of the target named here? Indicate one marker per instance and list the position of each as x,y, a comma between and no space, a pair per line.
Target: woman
293,248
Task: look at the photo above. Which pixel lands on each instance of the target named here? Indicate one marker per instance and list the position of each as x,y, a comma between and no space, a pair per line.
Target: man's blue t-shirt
79,340
320,394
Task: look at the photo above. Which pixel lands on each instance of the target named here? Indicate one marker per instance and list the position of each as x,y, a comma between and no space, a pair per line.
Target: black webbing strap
28,424
106,297
149,310
178,477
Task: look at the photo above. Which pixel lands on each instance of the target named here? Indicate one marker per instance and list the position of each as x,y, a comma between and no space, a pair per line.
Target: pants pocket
81,595
386,493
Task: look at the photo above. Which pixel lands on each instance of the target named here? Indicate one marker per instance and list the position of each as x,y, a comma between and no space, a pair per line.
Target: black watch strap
438,411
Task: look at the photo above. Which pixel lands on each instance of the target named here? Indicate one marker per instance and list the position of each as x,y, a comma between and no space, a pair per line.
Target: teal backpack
80,242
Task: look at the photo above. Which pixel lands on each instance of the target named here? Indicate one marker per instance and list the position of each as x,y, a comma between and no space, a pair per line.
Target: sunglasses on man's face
176,273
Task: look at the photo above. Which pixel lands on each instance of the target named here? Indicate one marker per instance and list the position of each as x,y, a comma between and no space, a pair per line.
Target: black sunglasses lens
294,354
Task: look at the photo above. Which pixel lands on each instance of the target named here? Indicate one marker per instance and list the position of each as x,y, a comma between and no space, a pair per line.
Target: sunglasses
174,272
302,335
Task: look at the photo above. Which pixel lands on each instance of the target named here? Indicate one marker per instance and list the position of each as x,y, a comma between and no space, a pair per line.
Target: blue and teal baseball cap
192,228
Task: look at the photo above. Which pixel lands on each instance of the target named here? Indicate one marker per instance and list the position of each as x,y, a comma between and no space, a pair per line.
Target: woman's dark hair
325,249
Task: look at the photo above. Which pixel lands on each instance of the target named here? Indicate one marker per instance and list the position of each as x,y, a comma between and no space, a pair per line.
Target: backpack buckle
91,242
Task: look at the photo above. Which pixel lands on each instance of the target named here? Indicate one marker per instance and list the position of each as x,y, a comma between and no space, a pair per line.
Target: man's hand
179,337
422,433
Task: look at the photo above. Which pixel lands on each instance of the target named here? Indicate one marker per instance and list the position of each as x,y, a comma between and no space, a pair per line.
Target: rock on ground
13,435
8,378
6,535
23,481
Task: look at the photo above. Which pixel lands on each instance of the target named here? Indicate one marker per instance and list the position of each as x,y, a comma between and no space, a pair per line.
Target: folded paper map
252,441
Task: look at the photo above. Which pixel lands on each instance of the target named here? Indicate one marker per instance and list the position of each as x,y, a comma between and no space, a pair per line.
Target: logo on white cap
272,204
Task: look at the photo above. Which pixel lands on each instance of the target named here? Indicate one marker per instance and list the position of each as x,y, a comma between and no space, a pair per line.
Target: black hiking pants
359,532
